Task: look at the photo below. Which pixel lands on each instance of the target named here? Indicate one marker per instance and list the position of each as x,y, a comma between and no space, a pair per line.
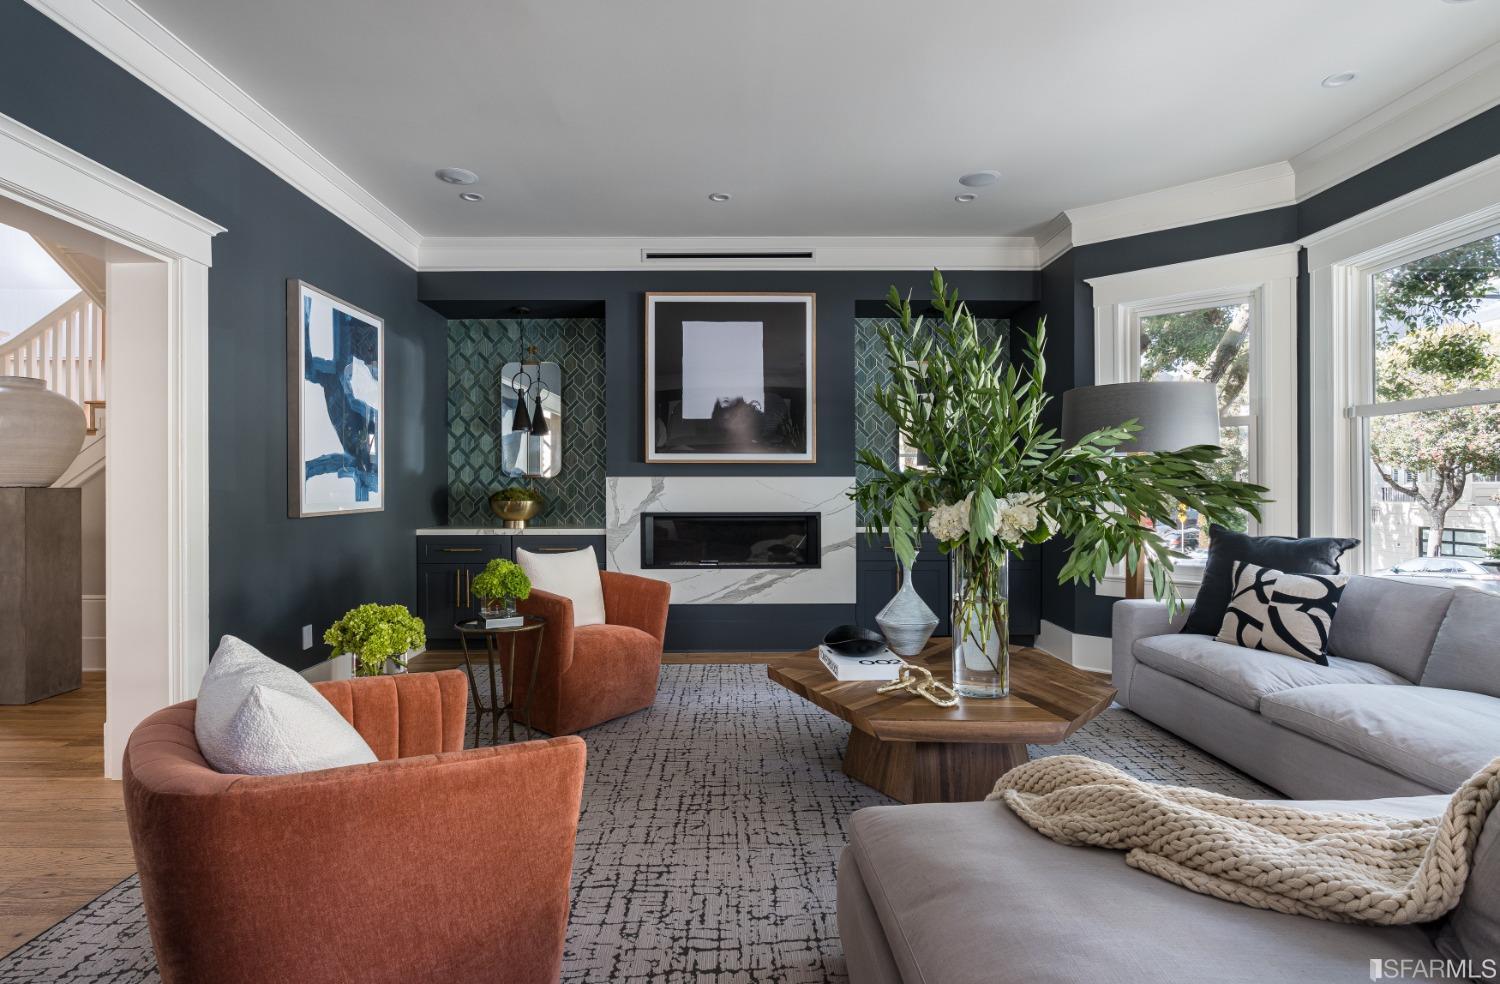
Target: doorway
155,257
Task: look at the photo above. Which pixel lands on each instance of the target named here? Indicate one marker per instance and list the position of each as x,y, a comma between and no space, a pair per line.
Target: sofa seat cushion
968,894
1244,676
1435,737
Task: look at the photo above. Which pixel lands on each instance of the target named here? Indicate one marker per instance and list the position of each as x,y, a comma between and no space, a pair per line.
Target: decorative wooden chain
918,680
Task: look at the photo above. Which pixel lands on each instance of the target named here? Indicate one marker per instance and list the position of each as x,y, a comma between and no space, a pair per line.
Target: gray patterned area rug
711,828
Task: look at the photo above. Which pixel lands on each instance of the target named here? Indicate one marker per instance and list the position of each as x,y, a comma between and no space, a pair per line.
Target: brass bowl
515,512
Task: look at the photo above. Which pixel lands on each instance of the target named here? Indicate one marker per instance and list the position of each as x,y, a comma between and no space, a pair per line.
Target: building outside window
1453,543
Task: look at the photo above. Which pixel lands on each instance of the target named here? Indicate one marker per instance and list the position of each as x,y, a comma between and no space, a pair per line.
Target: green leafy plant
517,493
374,634
501,579
998,477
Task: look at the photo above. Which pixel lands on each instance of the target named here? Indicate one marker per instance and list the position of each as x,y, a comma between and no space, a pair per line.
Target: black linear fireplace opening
731,540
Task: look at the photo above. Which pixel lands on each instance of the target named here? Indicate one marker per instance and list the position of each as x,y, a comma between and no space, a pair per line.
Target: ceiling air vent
723,256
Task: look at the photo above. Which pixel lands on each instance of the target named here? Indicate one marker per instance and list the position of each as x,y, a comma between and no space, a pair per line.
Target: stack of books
879,665
504,621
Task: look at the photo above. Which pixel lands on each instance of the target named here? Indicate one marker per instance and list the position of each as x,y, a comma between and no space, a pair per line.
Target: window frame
1267,280
1342,263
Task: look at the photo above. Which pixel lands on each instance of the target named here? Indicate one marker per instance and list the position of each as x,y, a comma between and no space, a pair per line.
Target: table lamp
1172,415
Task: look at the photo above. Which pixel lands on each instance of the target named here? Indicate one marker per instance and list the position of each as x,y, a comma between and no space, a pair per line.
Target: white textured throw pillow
574,575
1282,613
258,718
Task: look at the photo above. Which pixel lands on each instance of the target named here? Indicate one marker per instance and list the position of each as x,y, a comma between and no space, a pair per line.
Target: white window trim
1342,262
1267,279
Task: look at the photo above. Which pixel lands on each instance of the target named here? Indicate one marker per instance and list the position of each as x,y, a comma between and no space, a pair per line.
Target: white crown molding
132,39
1053,239
1222,197
1463,91
829,253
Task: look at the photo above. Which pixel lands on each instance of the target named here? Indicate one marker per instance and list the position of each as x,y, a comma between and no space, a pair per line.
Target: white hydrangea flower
949,522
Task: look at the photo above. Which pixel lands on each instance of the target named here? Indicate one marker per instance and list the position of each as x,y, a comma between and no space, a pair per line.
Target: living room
959,492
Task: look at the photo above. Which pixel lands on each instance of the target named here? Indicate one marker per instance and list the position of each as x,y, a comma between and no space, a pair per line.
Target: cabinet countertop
503,531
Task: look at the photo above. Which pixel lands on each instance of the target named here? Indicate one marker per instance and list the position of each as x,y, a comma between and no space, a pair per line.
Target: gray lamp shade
1172,415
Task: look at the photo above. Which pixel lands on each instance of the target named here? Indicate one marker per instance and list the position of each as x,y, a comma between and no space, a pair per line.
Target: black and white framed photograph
729,377
335,412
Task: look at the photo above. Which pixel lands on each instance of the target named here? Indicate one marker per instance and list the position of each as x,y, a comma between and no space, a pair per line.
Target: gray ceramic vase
40,432
906,621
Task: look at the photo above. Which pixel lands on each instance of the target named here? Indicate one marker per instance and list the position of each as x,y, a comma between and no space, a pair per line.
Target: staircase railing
65,348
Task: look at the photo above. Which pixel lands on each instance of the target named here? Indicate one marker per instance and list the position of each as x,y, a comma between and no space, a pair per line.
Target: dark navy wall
620,296
269,574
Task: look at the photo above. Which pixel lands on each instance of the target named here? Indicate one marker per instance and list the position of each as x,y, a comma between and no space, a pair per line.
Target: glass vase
981,623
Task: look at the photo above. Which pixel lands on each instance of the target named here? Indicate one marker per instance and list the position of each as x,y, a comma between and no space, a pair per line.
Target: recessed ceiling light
1338,79
719,196
979,179
471,196
456,176
1458,1
965,198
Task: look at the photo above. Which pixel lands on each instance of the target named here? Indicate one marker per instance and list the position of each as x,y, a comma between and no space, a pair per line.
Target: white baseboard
1087,652
93,632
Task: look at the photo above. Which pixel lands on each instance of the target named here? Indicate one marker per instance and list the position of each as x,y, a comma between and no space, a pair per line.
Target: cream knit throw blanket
1345,867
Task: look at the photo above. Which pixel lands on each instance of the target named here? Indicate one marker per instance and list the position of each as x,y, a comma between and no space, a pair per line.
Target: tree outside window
1437,333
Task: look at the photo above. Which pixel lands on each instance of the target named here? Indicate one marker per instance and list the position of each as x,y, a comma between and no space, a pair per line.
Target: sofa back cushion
1388,622
1466,652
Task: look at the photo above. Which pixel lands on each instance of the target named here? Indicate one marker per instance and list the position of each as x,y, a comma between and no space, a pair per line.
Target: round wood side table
533,625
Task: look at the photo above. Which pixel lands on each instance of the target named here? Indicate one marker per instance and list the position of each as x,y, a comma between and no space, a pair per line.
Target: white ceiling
821,117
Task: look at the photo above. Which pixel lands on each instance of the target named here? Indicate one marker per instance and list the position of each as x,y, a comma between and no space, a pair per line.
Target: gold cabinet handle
557,549
468,587
459,549
456,576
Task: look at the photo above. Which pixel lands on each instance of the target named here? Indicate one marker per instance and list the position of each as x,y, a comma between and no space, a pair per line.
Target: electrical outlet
307,637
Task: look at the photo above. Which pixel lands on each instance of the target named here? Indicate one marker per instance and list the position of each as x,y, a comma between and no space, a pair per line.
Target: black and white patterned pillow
1282,613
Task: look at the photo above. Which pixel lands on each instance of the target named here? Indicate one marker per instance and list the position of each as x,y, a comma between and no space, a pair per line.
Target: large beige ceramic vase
40,432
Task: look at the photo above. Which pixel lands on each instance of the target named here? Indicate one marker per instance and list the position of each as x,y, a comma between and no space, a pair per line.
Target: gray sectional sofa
1409,706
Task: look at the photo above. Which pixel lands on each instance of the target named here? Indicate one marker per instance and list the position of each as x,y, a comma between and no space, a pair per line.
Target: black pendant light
522,420
539,419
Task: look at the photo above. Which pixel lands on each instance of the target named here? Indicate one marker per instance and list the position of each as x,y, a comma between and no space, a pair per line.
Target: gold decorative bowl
515,512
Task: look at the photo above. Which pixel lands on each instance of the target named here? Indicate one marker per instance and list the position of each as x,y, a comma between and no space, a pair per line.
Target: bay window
1228,320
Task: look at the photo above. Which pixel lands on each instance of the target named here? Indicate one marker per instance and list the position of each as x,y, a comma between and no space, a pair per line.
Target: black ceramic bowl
851,640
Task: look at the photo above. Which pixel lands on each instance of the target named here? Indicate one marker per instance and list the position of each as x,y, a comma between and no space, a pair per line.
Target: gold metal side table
474,629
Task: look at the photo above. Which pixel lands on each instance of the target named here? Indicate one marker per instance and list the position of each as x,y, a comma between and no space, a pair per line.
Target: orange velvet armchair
593,673
433,864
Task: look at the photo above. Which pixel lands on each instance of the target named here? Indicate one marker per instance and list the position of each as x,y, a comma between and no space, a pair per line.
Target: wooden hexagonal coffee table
916,752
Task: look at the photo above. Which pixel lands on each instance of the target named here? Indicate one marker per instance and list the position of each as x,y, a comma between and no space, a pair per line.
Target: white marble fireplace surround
832,583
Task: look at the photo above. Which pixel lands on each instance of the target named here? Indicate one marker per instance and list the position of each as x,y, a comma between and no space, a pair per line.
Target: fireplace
774,541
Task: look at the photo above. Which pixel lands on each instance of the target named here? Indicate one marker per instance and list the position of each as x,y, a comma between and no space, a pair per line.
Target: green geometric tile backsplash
476,351
872,428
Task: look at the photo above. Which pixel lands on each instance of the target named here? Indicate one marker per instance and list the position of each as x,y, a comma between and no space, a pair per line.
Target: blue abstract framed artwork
336,405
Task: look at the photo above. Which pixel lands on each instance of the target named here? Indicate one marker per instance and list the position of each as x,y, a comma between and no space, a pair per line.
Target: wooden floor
62,825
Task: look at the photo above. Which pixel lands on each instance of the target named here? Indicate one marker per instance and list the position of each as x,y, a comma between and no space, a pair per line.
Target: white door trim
164,665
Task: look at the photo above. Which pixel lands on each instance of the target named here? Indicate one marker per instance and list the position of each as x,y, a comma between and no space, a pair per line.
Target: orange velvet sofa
433,864
593,673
